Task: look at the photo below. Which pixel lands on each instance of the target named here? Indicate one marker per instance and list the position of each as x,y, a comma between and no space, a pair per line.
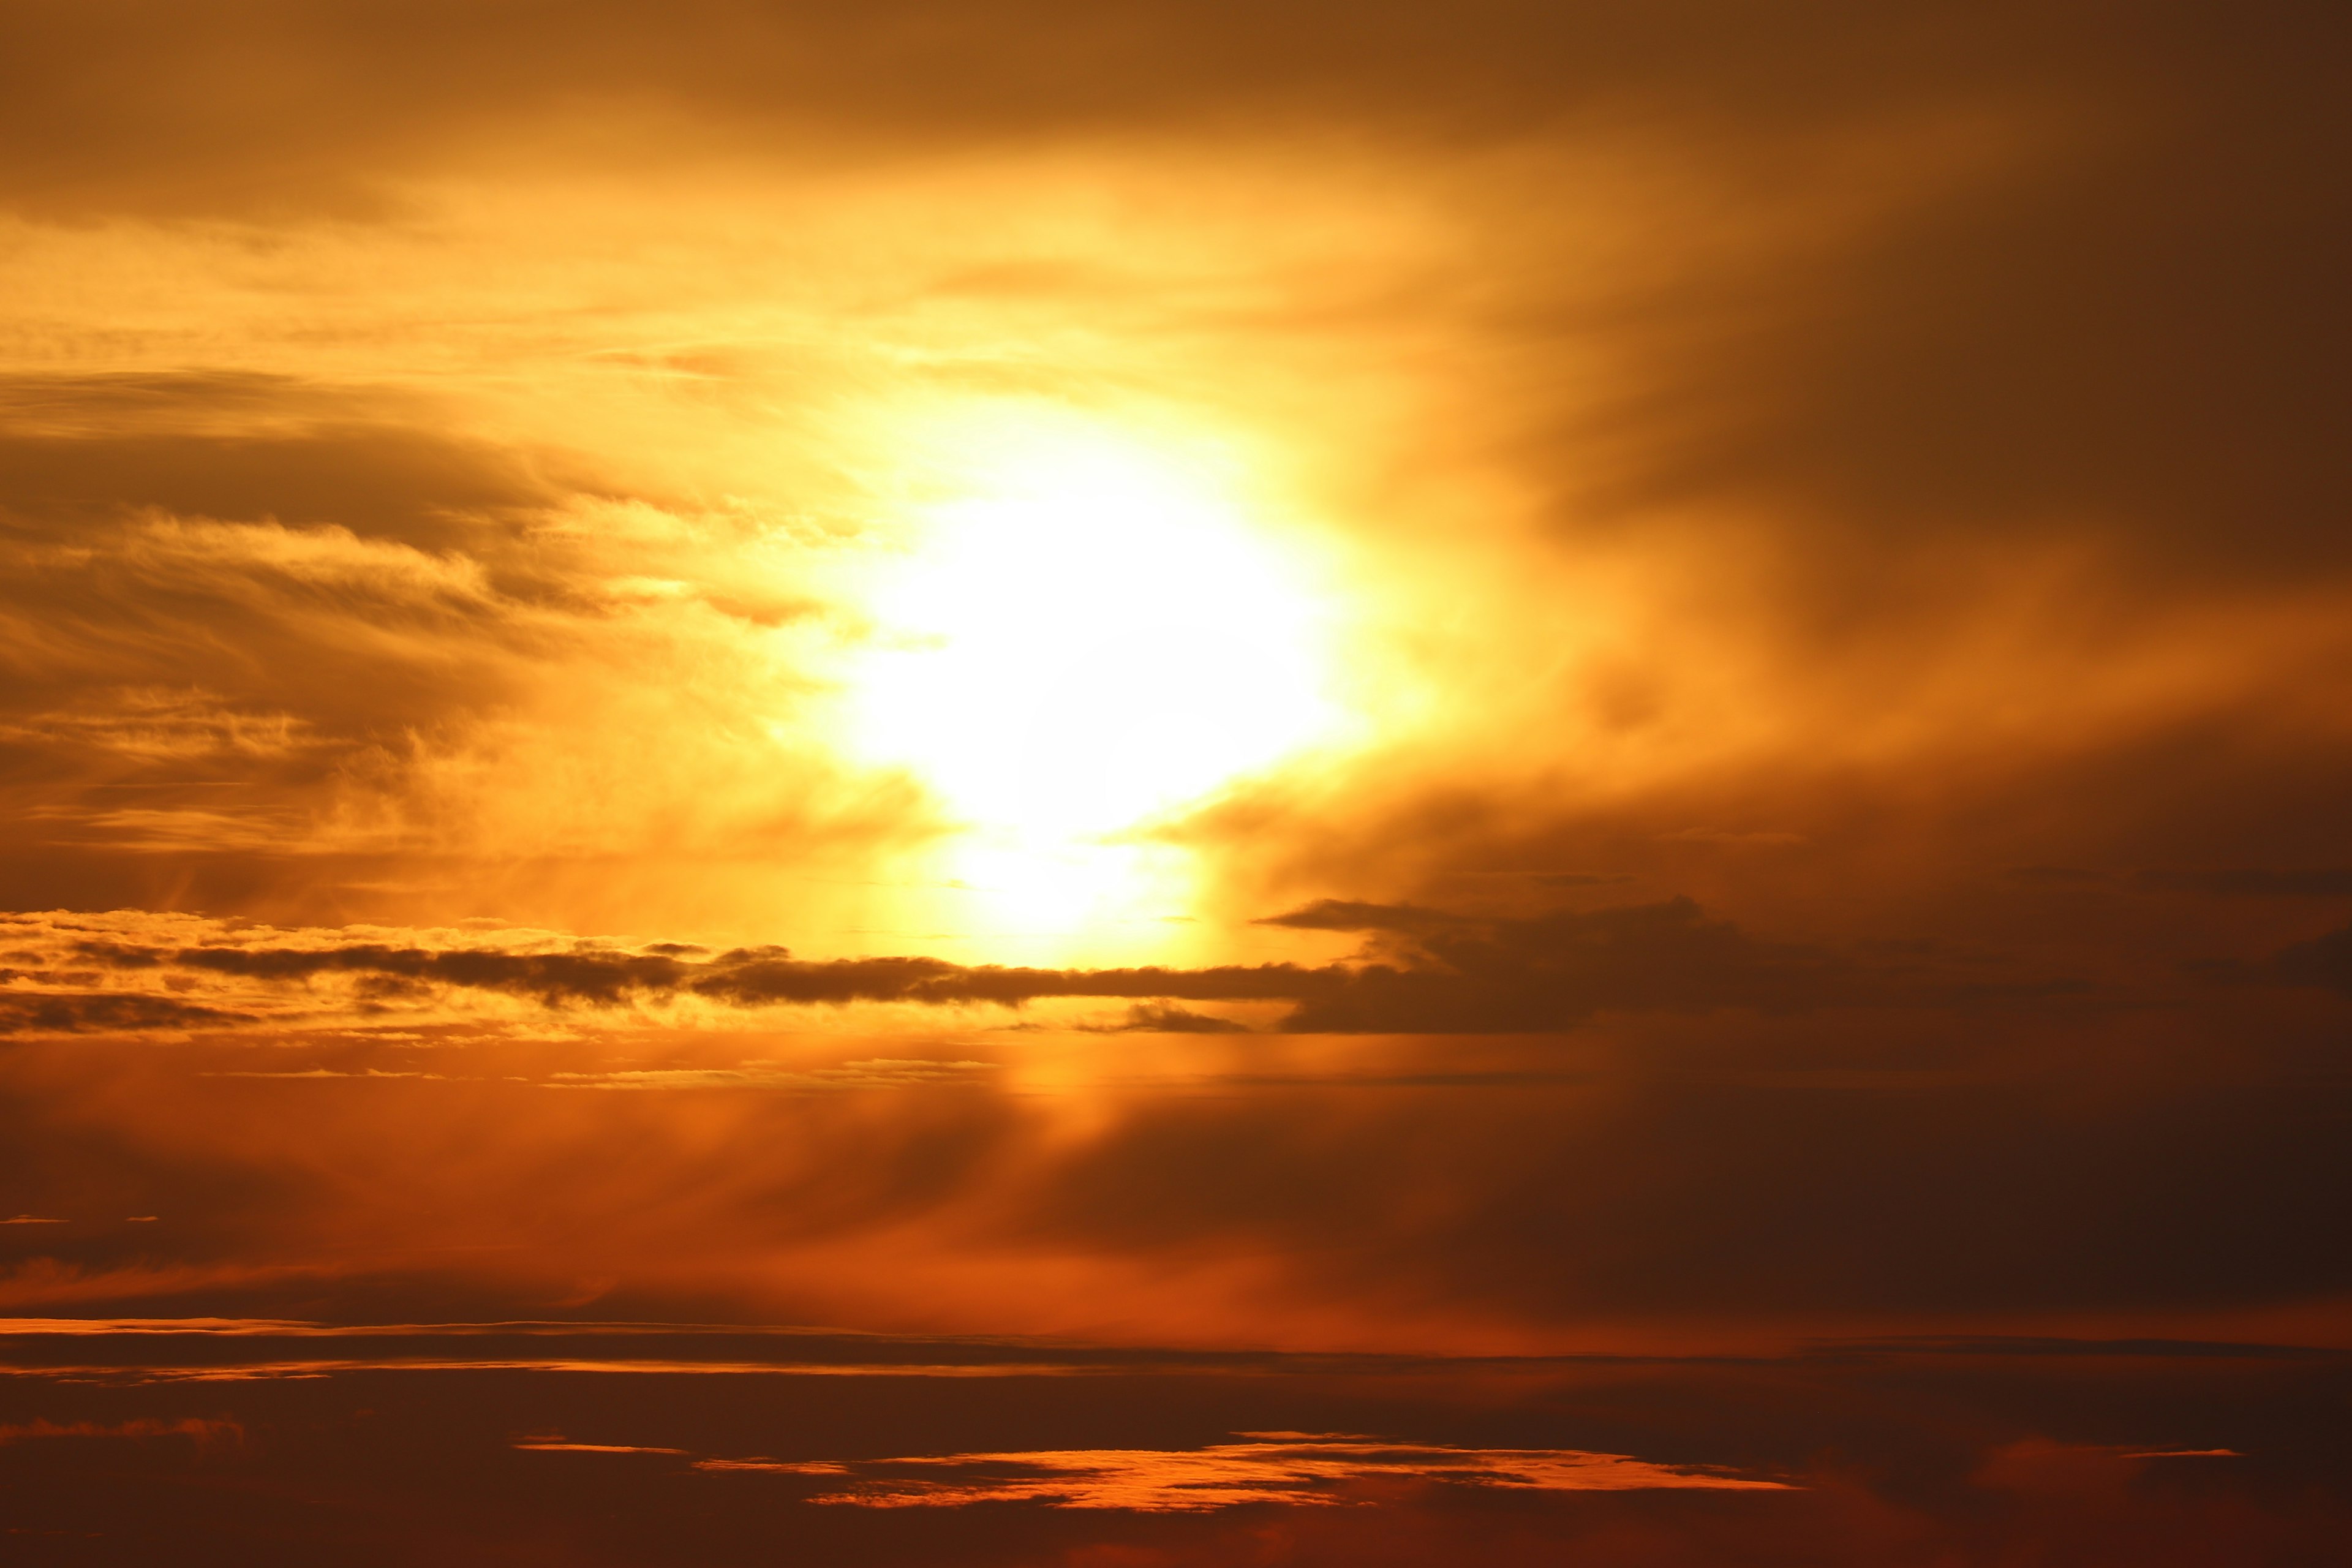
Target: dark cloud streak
1425,971
106,1012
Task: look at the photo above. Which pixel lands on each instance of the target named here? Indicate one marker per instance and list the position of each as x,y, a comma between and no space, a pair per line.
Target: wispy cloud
1297,1467
880,1072
143,1429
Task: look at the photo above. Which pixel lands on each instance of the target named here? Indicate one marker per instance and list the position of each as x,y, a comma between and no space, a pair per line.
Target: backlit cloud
1579,729
1424,971
1276,1467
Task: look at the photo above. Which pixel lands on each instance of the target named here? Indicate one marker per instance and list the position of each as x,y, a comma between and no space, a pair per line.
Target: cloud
1465,973
327,1072
248,616
1864,617
391,91
1167,1018
1294,1468
884,1072
1759,839
1798,457
2324,961
2058,876
746,977
250,445
1347,914
1955,1466
2254,881
139,1429
107,1011
1663,1179
160,724
1424,971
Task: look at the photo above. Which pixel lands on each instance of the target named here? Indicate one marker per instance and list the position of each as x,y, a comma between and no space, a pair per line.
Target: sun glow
1089,631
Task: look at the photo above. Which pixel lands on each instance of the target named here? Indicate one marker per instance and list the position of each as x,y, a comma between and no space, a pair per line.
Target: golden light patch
1089,629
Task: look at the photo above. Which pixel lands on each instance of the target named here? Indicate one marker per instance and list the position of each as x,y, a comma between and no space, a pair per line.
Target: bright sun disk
1088,632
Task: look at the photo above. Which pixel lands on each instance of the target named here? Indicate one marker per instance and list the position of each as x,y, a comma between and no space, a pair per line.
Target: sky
1122,786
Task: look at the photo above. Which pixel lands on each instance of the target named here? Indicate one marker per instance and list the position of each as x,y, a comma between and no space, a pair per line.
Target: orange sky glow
991,783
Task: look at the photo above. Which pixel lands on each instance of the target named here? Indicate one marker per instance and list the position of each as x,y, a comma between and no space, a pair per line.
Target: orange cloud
1279,1467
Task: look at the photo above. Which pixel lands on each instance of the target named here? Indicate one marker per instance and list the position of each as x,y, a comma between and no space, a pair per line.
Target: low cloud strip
1271,1468
1419,971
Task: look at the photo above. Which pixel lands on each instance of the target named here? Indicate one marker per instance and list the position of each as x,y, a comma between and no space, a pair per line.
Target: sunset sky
1146,785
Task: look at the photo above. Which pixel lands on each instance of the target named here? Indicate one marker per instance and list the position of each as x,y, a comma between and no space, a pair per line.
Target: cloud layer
1789,919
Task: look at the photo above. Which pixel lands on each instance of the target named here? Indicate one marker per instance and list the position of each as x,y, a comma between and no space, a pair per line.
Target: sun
1089,629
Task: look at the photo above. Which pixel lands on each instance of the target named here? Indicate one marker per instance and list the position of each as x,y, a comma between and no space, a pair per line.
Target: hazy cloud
2255,881
1464,973
2322,961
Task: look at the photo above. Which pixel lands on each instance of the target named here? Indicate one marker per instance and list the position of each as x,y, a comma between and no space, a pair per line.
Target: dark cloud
2318,882
101,1011
1428,971
742,976
2014,341
2059,875
1166,1019
2123,335
1905,1191
593,978
183,108
1725,1179
1349,914
570,1443
2322,961
1468,975
1394,1186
